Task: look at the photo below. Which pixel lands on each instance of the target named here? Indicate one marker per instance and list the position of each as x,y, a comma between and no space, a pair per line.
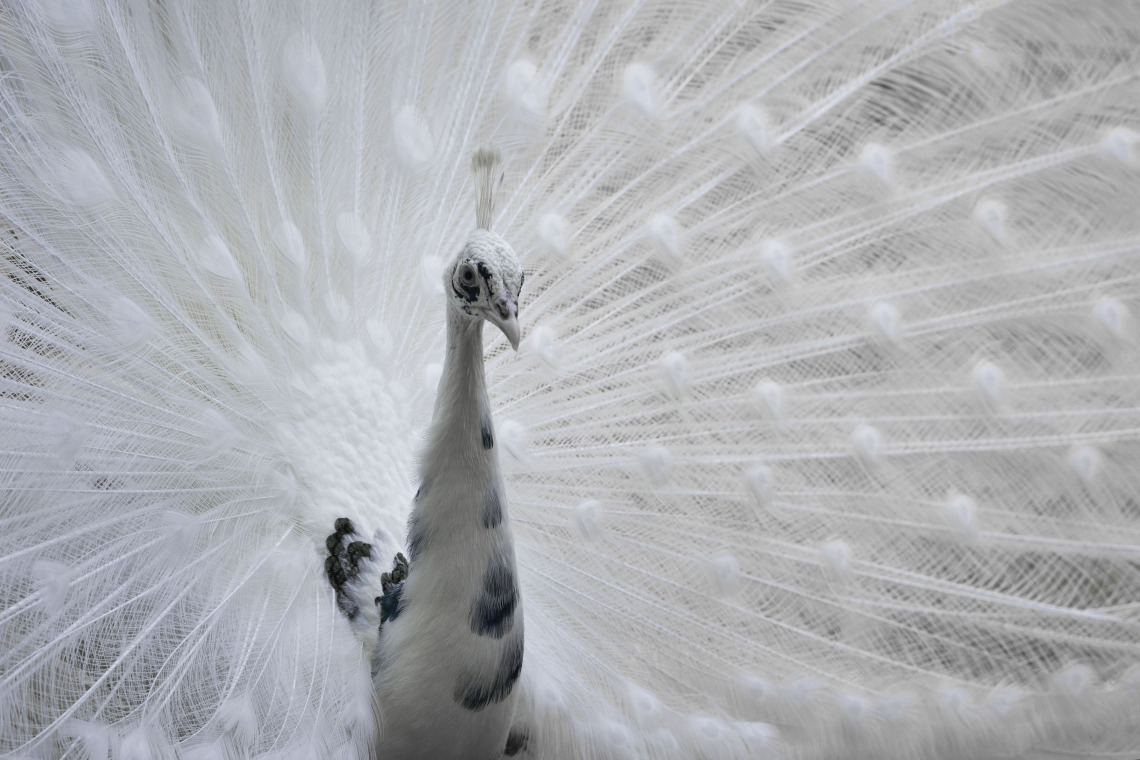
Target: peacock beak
505,314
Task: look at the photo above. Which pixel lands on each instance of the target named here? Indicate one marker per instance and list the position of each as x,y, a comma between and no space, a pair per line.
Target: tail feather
820,441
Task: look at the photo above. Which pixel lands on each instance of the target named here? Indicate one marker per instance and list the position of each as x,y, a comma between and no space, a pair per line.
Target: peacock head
486,280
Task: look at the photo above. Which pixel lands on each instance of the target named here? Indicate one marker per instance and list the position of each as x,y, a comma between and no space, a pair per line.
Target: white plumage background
823,439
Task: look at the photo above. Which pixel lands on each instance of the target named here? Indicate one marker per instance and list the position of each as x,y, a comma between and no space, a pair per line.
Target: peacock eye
467,274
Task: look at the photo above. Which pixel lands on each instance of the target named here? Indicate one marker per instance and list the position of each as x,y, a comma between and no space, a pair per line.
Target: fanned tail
822,436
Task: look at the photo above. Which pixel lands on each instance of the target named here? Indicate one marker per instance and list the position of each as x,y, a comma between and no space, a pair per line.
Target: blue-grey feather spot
510,666
493,613
488,435
474,691
392,603
492,510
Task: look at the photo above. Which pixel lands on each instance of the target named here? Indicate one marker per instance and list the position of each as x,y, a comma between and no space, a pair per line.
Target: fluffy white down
821,441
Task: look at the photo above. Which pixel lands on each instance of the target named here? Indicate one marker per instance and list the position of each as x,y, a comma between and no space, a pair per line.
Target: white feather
828,446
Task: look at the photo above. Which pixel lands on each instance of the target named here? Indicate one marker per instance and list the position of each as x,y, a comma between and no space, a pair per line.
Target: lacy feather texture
823,439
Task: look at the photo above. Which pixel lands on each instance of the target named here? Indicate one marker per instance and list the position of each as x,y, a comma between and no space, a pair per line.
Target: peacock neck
462,406
462,442
459,509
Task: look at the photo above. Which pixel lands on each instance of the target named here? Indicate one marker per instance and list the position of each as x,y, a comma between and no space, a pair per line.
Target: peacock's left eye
467,274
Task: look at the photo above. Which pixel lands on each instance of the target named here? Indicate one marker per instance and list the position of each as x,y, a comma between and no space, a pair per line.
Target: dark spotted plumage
517,741
493,612
492,510
392,603
475,691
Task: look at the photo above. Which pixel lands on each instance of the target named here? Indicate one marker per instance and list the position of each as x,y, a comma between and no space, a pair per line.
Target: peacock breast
451,659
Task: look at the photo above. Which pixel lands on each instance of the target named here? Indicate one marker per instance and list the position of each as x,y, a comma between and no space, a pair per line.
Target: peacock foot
343,564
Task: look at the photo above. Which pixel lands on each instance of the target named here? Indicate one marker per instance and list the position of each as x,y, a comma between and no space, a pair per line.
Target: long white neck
461,443
461,491
462,414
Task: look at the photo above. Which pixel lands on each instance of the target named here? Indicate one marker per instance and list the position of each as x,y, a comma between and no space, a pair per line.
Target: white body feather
821,441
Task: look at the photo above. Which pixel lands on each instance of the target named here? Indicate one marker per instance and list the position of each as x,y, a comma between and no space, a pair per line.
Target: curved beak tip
510,328
509,324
